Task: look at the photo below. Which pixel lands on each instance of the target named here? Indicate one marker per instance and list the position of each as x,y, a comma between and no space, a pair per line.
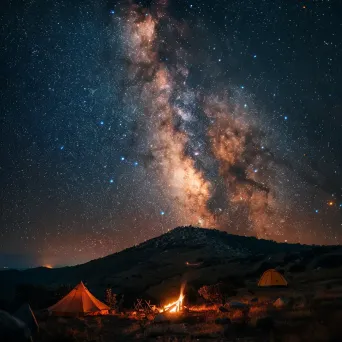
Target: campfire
176,306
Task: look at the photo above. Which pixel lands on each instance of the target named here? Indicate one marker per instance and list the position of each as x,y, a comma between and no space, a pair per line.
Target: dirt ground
309,322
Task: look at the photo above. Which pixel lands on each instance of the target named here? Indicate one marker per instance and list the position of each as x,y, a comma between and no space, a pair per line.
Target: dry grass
162,329
209,330
204,308
257,311
319,325
236,315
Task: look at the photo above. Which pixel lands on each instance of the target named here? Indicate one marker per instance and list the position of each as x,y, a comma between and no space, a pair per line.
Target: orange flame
177,305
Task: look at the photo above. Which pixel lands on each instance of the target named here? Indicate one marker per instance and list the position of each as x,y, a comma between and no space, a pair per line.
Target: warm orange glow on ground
48,266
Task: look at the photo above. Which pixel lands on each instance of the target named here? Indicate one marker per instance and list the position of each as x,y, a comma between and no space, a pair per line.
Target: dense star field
122,120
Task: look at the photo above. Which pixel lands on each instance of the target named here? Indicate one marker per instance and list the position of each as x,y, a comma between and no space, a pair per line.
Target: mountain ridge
163,263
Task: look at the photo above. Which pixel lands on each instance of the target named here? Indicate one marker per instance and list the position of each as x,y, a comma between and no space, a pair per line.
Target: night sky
122,120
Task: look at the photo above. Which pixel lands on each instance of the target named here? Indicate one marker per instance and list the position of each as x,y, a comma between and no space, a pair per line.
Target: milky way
244,172
121,121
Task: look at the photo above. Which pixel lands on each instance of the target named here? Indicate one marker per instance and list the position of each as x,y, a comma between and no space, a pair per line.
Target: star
61,147
112,11
122,158
162,213
111,181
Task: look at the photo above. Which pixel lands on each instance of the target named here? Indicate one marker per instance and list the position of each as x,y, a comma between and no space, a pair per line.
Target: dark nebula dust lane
123,120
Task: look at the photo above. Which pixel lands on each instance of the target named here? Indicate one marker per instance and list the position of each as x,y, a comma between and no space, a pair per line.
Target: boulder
12,329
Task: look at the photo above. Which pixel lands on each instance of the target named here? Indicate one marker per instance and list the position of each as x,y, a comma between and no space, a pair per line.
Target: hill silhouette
156,268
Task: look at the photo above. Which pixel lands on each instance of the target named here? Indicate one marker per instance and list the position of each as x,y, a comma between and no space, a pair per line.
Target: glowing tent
272,278
79,302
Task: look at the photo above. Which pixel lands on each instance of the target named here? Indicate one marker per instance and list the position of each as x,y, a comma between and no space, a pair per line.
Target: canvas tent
272,278
79,302
26,315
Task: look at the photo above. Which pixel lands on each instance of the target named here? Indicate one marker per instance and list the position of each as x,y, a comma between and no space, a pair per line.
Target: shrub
217,293
111,299
212,293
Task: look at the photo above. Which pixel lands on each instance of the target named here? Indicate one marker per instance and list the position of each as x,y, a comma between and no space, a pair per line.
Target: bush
217,293
111,299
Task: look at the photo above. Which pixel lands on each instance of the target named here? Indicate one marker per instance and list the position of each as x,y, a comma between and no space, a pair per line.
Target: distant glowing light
255,56
111,181
136,163
196,153
316,211
219,60
255,170
61,148
262,147
47,266
331,203
285,117
112,11
162,213
122,158
242,87
245,105
101,123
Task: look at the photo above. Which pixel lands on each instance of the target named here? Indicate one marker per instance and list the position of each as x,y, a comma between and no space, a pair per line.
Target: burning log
176,306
